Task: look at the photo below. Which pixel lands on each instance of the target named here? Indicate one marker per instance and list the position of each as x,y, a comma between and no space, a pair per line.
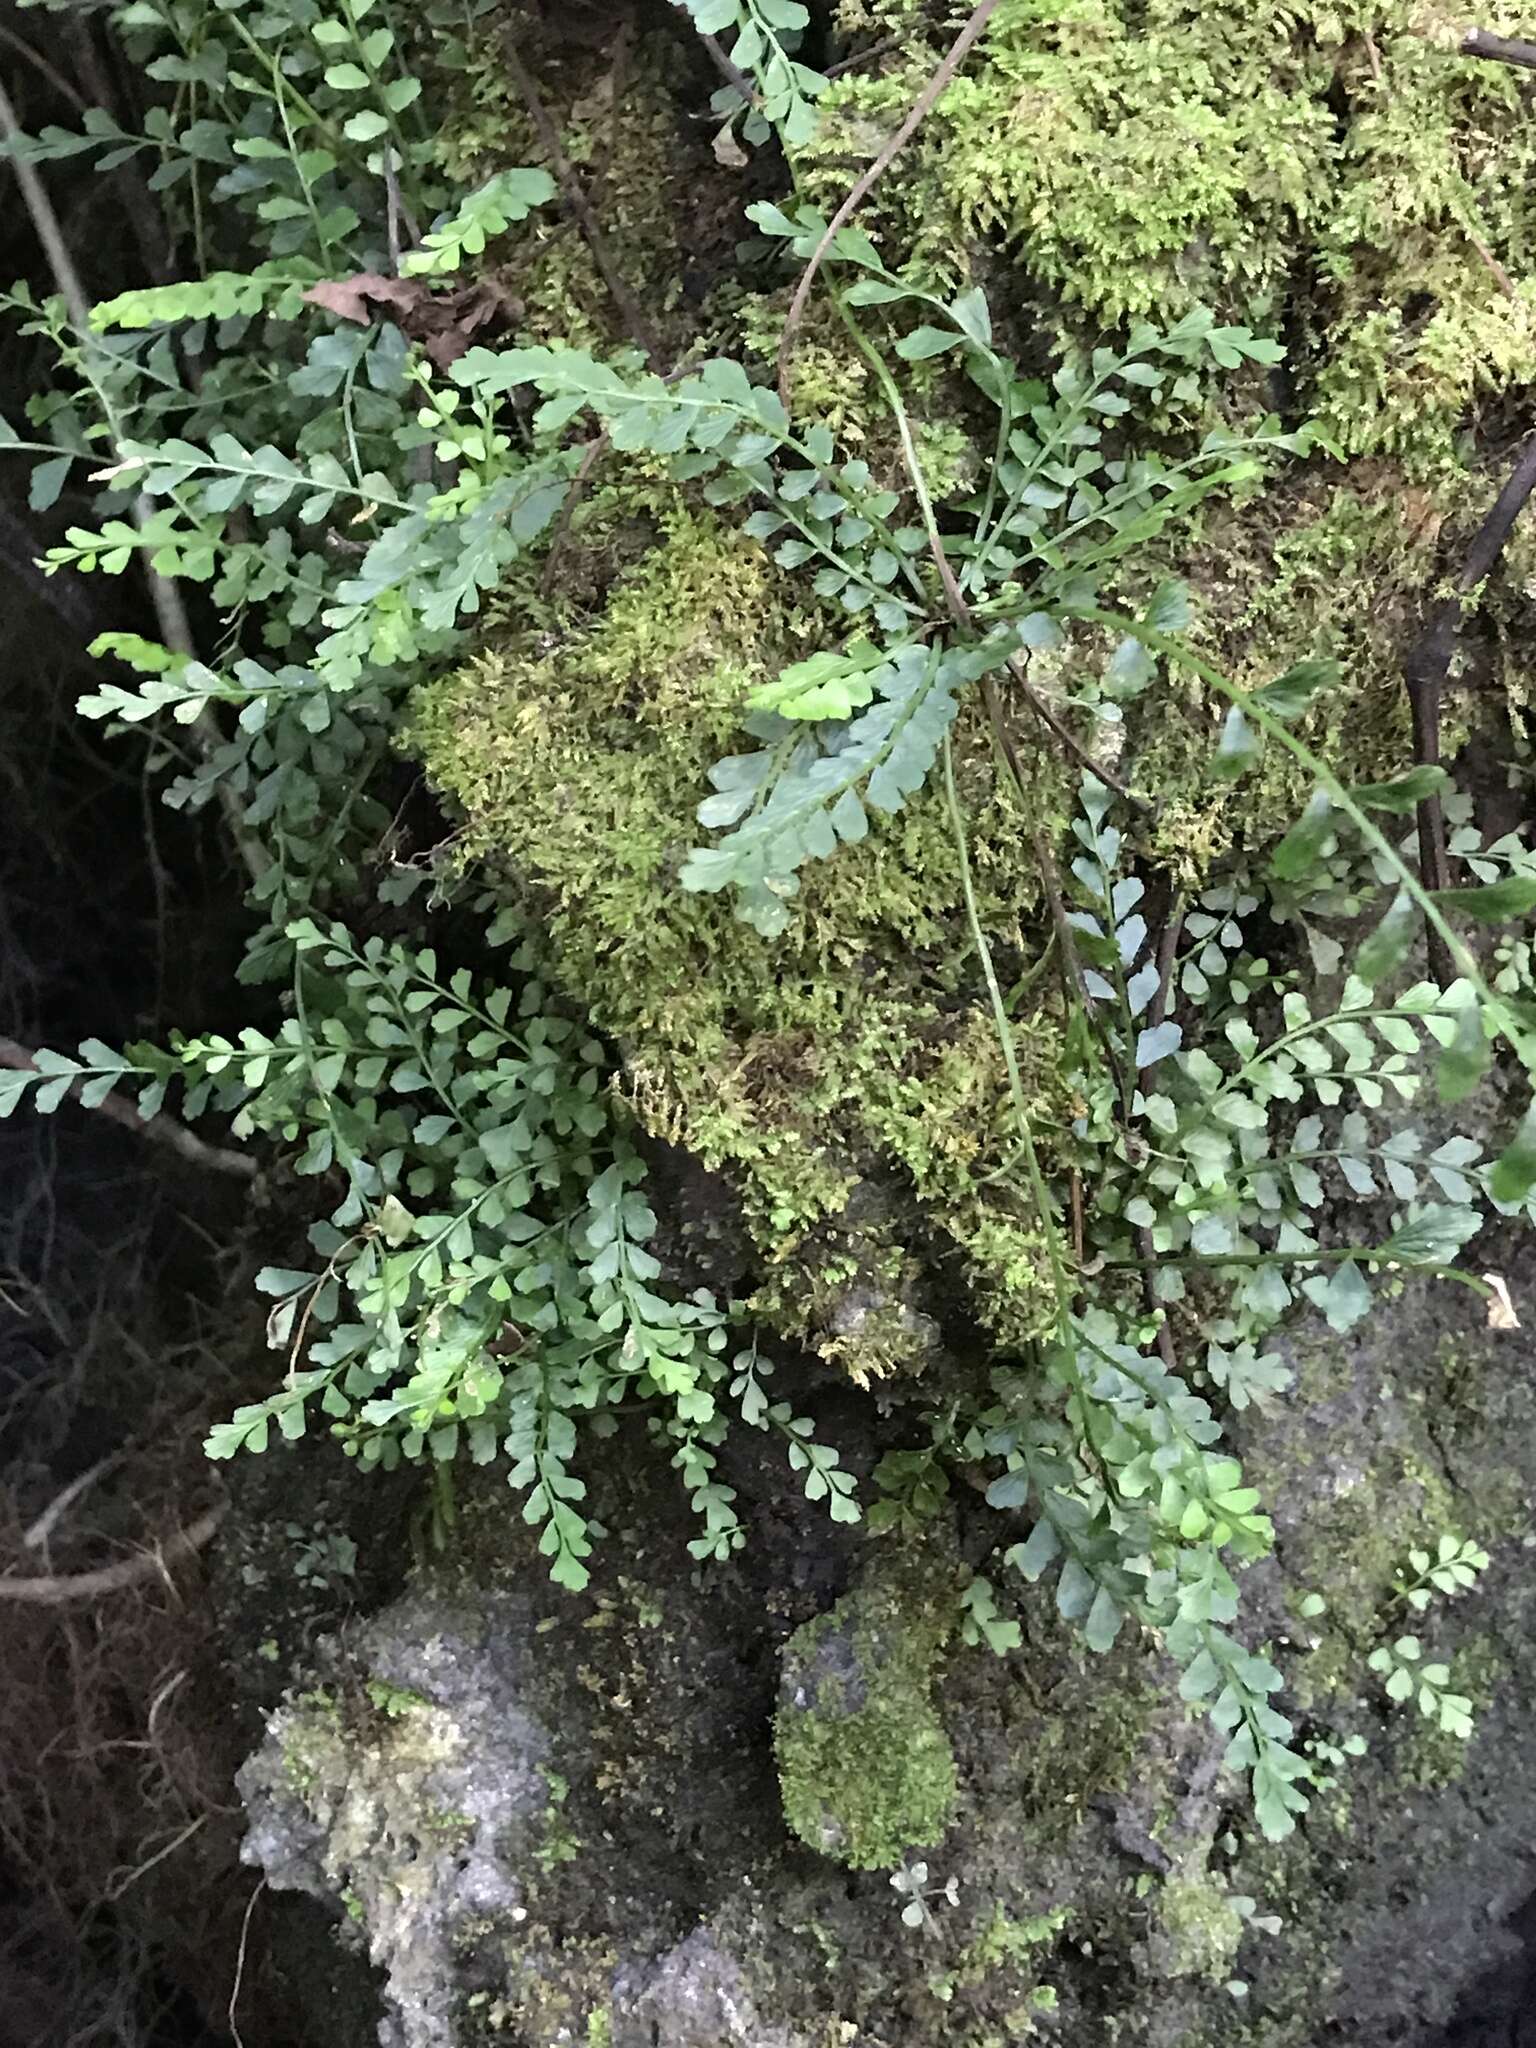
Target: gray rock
409,1789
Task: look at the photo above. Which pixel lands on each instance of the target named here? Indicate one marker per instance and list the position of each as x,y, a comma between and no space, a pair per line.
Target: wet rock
408,1790
695,1996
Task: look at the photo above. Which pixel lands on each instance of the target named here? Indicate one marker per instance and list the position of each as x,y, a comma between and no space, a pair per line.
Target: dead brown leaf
444,323
349,298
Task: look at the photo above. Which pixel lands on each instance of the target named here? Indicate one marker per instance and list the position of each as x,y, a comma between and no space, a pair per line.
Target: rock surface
558,1819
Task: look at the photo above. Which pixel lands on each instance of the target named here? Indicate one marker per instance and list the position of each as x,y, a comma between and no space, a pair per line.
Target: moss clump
1142,156
808,1065
1006,1943
1197,1928
866,1771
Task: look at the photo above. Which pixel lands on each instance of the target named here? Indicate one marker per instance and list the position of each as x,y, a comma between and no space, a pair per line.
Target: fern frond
804,793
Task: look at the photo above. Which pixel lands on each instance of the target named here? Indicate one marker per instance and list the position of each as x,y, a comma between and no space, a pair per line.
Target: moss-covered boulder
866,1770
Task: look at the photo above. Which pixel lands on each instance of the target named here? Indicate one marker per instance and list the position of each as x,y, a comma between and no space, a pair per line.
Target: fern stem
1276,729
1066,1331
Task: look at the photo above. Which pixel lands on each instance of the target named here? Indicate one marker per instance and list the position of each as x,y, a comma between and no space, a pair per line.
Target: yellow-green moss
1197,1929
858,1040
866,1771
1339,164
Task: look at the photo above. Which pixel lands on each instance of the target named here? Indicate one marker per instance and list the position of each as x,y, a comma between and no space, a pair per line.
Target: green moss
1005,1943
1431,1759
1344,163
394,1700
559,1844
1197,1928
866,1771
858,1040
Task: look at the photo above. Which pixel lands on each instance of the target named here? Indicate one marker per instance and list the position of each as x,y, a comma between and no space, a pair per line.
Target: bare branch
164,1130
921,107
111,1578
1480,42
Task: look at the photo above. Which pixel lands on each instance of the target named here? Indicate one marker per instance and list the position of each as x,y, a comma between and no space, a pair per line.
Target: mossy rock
866,1770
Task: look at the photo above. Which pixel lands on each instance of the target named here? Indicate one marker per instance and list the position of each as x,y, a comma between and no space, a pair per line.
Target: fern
489,211
277,288
766,34
803,794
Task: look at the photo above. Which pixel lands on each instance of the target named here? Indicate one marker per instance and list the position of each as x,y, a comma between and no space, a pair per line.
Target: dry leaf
443,322
728,151
1501,1310
350,298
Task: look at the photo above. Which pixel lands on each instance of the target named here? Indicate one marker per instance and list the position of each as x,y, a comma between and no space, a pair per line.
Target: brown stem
628,306
111,1578
732,73
1480,42
163,1130
953,58
1167,954
1428,661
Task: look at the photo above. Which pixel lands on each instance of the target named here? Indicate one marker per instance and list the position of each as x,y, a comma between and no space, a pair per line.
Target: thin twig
38,1533
117,1886
1480,42
576,490
40,64
640,329
234,1990
1428,661
953,58
731,72
881,49
164,1130
1167,954
1501,276
1074,746
392,212
111,1578
170,612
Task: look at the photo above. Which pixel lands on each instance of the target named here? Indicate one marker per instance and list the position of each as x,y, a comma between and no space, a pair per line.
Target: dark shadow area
1498,2009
